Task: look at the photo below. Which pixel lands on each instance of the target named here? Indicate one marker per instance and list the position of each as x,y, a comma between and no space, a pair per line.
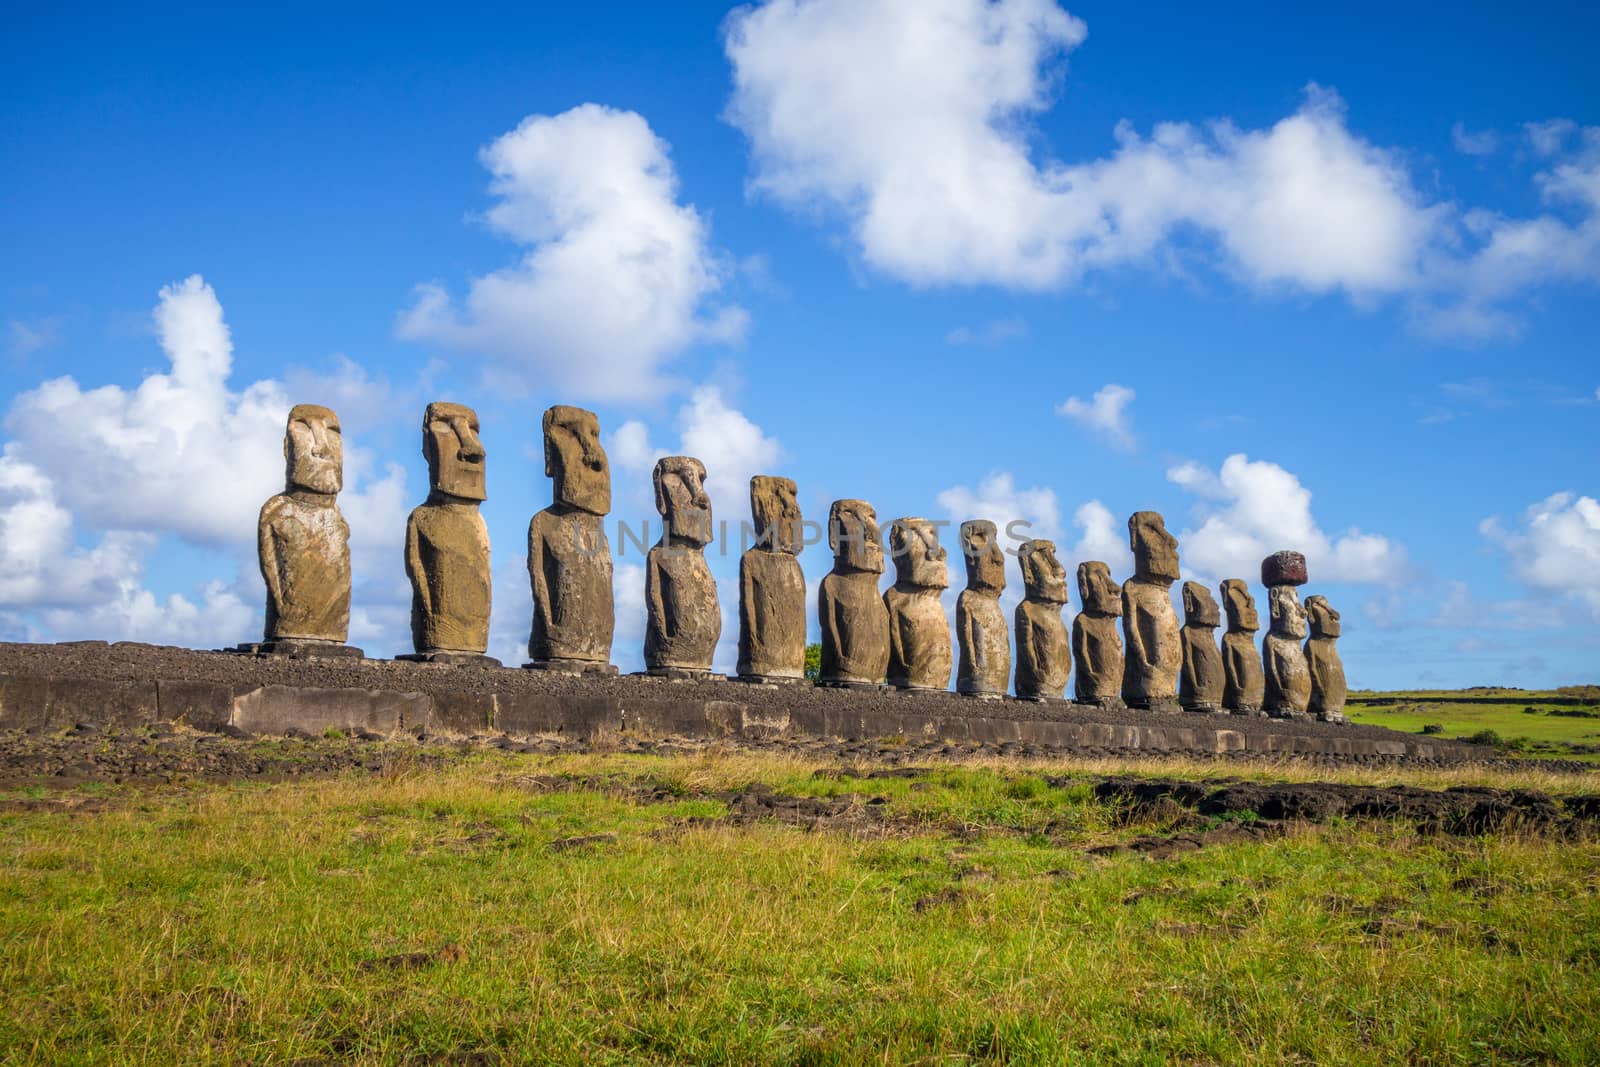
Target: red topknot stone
1283,568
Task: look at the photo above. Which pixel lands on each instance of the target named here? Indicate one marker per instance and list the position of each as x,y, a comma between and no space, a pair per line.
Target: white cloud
1105,538
1251,508
997,498
617,276
1556,548
1549,137
1106,413
30,337
996,332
1482,143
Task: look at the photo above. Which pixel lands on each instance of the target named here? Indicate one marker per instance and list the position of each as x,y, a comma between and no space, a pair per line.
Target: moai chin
1154,648
303,543
854,621
683,617
772,587
1200,688
447,543
1283,661
919,633
1044,652
1096,645
1323,662
984,667
1243,684
569,557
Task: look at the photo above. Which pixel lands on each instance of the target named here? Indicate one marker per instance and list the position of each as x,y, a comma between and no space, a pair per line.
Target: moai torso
1283,661
569,556
984,668
853,619
1096,645
1200,687
772,587
447,560
683,616
919,633
1153,647
1322,661
1044,652
302,541
1243,684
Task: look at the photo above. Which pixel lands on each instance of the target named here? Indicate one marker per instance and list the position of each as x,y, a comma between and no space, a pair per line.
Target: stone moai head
313,450
1198,607
986,560
1288,617
574,457
1043,576
1324,620
1155,551
1241,606
1098,594
775,506
455,455
919,558
682,501
853,535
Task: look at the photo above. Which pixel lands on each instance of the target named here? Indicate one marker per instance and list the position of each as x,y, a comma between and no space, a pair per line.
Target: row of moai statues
900,637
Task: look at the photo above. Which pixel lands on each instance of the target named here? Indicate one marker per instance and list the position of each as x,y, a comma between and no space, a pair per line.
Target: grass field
1550,730
450,916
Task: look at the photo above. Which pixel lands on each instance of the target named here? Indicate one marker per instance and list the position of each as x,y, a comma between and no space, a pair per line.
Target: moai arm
419,580
969,638
537,580
267,552
1026,652
896,653
1133,627
747,598
655,600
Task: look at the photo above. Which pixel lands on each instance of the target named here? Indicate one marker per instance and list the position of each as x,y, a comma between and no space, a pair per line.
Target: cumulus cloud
1556,546
1106,414
617,276
1481,143
996,332
30,337
1251,508
1028,513
912,120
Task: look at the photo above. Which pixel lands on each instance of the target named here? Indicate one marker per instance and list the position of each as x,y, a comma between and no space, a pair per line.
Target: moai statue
855,624
1096,647
919,633
1243,684
683,618
447,544
772,589
1200,688
984,668
1283,661
304,543
1154,653
1044,654
569,558
1322,658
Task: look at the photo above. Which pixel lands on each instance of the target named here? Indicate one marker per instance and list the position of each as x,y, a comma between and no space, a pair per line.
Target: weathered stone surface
1283,661
1283,568
1044,652
447,543
683,618
772,588
854,621
569,557
52,703
302,541
1200,688
1323,662
277,709
1096,646
919,632
1153,647
1243,686
984,668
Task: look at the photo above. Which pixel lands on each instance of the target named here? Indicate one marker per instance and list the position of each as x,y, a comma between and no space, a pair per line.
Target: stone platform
56,686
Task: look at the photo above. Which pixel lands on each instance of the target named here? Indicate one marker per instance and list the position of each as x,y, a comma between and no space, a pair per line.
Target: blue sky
1324,282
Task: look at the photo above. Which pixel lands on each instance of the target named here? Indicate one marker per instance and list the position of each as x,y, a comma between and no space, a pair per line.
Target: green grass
246,923
1550,731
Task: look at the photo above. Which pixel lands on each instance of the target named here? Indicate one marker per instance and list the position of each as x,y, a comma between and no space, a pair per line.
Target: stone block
201,705
277,709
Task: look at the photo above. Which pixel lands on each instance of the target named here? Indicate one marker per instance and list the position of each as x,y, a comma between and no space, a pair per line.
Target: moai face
1098,594
1198,607
1324,620
1288,617
1043,576
313,450
574,458
682,501
775,506
1241,606
919,558
455,455
986,560
1155,551
853,535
